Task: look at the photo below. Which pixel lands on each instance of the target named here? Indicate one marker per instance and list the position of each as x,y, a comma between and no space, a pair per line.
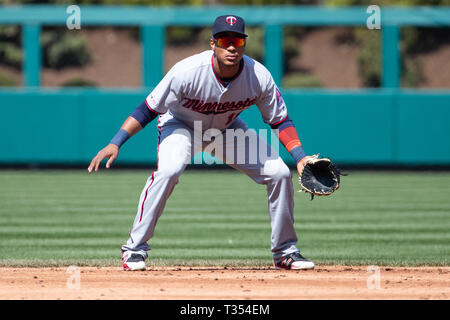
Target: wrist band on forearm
297,153
120,137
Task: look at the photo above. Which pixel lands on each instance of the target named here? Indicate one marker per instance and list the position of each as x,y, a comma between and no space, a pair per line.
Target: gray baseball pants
177,145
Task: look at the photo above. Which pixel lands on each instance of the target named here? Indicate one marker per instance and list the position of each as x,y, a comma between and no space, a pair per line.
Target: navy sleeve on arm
283,124
143,114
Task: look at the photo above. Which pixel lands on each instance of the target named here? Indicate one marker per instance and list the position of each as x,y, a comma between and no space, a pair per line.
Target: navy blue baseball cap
230,23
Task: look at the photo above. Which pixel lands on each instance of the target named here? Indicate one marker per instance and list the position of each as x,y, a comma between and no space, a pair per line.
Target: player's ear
211,43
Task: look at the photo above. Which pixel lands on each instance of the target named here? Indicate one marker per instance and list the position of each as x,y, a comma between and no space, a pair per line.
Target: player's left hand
318,177
301,164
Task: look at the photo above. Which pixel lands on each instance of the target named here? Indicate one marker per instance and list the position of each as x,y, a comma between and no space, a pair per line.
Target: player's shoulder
258,66
196,61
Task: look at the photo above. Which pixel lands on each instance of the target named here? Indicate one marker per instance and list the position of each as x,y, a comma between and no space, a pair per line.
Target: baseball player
211,89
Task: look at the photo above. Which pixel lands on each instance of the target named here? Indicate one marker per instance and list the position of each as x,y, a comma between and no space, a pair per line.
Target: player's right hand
111,151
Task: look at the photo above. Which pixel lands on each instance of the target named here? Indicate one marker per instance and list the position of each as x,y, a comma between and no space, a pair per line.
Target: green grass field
219,217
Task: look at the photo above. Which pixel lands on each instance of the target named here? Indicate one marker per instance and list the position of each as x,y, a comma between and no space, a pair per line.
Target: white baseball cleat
294,261
133,261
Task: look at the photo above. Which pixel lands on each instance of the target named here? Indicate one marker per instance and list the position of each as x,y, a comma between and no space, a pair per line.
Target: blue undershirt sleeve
283,124
143,114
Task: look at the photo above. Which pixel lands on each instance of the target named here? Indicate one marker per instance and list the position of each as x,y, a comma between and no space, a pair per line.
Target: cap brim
226,30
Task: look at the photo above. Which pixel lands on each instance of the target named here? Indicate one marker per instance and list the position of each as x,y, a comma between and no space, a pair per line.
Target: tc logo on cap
231,20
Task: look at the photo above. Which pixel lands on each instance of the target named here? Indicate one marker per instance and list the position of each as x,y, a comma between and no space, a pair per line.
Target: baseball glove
320,177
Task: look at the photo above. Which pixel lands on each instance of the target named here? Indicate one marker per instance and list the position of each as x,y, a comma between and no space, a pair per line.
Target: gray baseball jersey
191,91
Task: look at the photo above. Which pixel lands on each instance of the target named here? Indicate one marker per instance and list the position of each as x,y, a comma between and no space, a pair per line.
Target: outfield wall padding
380,126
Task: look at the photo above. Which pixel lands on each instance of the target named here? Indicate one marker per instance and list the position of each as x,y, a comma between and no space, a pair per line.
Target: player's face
229,48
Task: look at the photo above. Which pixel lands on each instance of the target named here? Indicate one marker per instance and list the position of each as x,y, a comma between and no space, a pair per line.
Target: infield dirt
174,283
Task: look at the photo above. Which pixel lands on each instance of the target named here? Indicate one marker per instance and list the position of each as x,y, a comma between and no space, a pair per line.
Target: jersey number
231,117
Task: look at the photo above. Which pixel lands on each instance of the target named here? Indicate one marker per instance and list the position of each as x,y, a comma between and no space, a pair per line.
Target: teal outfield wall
383,126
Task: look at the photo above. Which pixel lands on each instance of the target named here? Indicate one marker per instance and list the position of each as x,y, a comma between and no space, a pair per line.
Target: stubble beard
225,65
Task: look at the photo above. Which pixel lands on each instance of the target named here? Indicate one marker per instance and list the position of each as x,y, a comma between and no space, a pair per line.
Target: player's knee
277,170
283,172
170,173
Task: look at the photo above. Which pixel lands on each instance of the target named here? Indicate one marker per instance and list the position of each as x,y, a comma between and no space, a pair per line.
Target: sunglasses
230,41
